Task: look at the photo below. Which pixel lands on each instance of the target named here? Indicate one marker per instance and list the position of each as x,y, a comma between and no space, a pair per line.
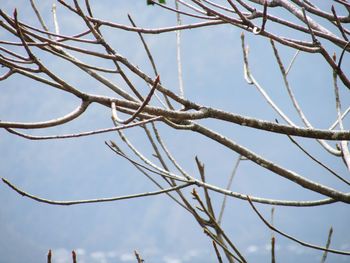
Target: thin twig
155,169
50,123
338,23
49,256
112,145
273,238
343,144
171,182
201,170
217,253
38,15
224,191
276,169
306,19
153,64
218,189
168,153
157,30
74,256
178,51
216,226
341,56
264,16
318,162
215,239
295,103
209,209
273,253
241,15
341,117
144,103
55,20
82,134
138,257
251,80
292,62
174,10
343,2
230,180
340,252
155,148
329,239
257,30
89,201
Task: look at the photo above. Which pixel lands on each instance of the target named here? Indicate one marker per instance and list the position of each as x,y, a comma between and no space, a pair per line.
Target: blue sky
155,226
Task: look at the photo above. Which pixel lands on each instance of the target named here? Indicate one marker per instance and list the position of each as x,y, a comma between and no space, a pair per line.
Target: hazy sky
156,226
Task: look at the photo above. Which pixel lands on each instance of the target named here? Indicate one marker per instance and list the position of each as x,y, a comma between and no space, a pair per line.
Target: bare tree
27,50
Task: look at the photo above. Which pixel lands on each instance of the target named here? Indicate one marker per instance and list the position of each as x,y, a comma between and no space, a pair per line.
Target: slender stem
296,105
319,162
50,123
81,134
89,201
329,239
218,256
288,174
273,238
49,256
223,205
343,144
340,252
178,51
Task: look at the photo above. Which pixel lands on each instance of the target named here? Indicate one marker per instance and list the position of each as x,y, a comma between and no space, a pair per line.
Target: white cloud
189,255
80,251
99,256
127,257
150,251
252,249
61,255
296,249
169,259
111,254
